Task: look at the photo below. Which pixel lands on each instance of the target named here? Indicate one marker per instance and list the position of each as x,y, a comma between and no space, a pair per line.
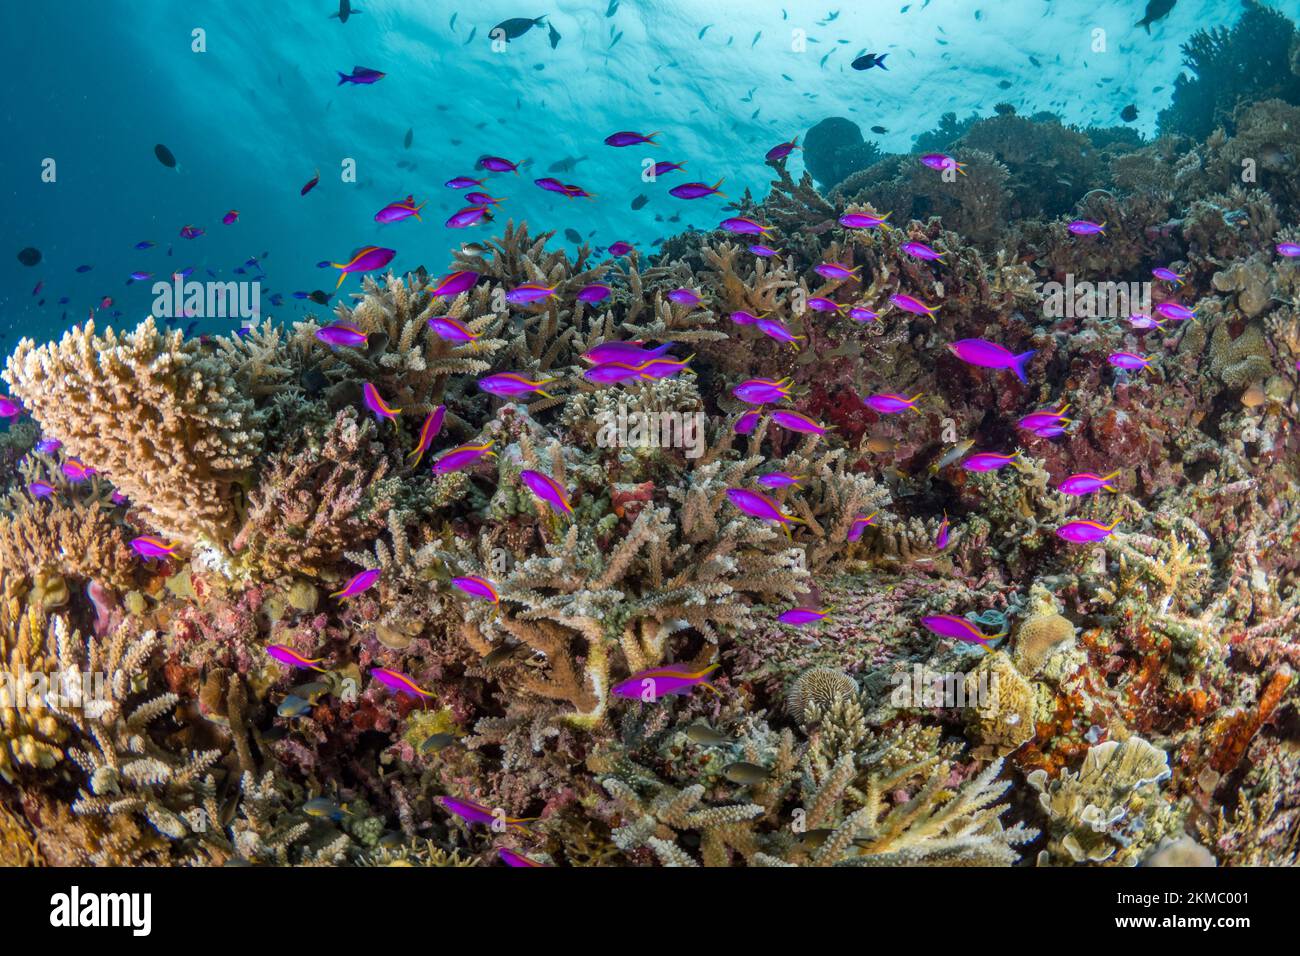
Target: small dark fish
1004,84
320,298
640,201
565,165
1156,10
553,36
83,269
165,156
410,136
706,736
879,130
345,10
868,60
516,27
29,256
435,742
499,655
144,244
1034,60
573,236
311,184
700,36
1129,113
612,8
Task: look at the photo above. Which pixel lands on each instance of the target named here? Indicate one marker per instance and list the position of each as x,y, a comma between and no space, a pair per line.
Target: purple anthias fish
1085,532
863,220
664,681
821,304
915,306
191,232
375,402
989,461
358,583
472,812
627,138
658,368
620,249
548,490
469,216
782,150
1084,227
774,328
450,330
528,294
462,456
463,182
838,272
779,479
1289,249
482,199
478,587
633,353
48,446
746,423
287,655
1142,322
454,284
919,250
741,317
949,625
942,161
1085,483
758,505
514,858
551,185
361,75
684,297
1167,275
799,616
593,293
991,355
1044,418
397,211
860,313
799,422
140,276
365,259
341,333
611,373
10,407
743,227
76,471
941,536
696,190
428,432
887,403
860,524
1128,360
764,252
400,683
148,546
663,166
1175,311
512,384
40,489
762,391
497,164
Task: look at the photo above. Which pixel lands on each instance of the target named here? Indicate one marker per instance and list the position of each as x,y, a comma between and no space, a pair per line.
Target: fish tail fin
914,399
716,185
880,62
1111,477
343,77
547,394
342,275
1019,363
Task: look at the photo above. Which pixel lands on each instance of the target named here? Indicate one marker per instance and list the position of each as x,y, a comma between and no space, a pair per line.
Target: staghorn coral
154,414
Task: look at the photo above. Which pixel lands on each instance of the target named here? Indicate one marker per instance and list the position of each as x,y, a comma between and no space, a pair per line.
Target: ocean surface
252,117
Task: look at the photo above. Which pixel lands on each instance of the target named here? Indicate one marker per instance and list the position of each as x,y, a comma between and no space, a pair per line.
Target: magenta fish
40,489
478,587
799,616
799,422
482,199
1289,249
620,249
497,164
512,384
764,252
593,293
632,353
887,403
1044,418
915,306
148,546
991,355
469,216
402,209
688,297
919,250
664,681
658,368
838,272
76,471
779,479
514,858
365,259
1085,532
46,446
229,218
746,423
462,456
742,317
627,138
191,232
942,161
400,683
551,185
450,330
989,461
941,536
1085,483
428,432
696,190
860,313
860,524
1143,322
611,373
1167,275
1175,311
821,304
1130,361
358,583
864,220
782,150
477,813
287,655
762,391
1084,227
758,505
775,328
744,227
454,284
341,333
548,490
949,625
375,402
10,407
463,182
360,75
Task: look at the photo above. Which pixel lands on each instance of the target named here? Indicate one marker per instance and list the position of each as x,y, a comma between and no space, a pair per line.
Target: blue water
95,85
